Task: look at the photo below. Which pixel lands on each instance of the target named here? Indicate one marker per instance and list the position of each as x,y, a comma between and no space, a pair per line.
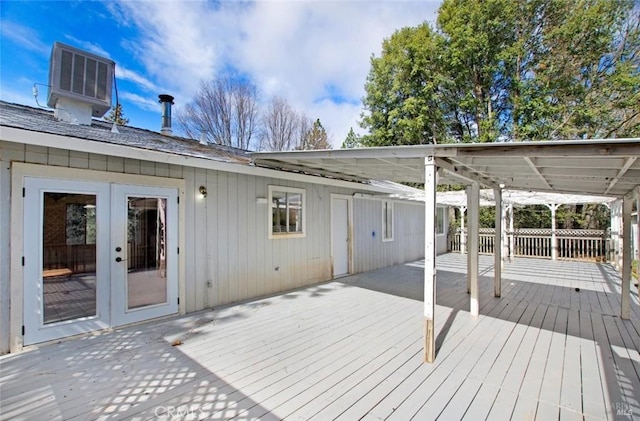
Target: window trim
282,189
390,204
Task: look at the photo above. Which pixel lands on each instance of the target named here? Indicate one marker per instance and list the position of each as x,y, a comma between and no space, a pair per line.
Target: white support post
429,258
638,235
467,192
627,205
473,214
554,242
463,237
512,244
468,195
616,212
497,246
505,239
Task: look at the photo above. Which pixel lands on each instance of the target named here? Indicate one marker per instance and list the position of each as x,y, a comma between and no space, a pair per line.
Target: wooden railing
570,244
76,258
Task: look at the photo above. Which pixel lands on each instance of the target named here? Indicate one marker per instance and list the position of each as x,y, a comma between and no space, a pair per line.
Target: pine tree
315,138
351,141
117,116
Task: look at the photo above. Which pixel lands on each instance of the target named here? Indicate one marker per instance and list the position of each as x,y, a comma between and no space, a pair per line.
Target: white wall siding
371,253
5,255
229,255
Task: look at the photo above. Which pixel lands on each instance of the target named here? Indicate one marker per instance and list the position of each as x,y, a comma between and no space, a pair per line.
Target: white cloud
131,76
88,46
23,36
179,41
307,52
24,96
337,119
142,102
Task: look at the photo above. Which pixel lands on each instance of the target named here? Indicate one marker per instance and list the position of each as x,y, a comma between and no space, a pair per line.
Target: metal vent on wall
80,76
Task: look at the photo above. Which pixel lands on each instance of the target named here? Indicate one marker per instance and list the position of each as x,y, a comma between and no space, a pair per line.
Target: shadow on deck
553,347
568,298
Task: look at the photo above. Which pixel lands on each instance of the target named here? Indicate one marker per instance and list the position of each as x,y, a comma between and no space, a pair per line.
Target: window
287,212
387,220
80,223
440,220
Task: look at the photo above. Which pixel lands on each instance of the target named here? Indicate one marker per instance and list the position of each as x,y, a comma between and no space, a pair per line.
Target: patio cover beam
627,164
461,171
537,171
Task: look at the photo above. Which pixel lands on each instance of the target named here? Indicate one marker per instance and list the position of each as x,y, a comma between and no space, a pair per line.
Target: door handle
120,259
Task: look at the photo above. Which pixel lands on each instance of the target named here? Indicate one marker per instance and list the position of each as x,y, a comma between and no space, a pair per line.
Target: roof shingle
43,121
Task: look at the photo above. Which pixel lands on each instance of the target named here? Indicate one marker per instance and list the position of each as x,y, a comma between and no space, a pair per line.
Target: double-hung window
287,212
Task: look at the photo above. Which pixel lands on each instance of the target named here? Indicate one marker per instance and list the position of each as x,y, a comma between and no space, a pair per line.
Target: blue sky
314,54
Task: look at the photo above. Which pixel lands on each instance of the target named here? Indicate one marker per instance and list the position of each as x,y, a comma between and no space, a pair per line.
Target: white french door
144,253
96,255
66,265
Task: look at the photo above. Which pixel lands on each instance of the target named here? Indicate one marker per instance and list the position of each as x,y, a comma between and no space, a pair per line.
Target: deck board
552,347
571,388
593,403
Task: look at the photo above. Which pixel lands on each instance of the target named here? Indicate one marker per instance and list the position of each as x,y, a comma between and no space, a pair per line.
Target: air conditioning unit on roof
78,80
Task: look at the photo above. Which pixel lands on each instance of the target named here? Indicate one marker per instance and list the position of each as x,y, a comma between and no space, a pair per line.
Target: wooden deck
553,347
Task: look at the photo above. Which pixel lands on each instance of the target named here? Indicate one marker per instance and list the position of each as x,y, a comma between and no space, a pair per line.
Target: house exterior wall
227,254
236,260
5,255
371,252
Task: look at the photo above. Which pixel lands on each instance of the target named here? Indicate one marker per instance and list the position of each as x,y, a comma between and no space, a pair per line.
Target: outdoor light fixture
203,191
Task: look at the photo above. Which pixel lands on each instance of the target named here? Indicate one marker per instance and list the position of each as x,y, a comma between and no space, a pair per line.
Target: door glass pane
68,256
146,252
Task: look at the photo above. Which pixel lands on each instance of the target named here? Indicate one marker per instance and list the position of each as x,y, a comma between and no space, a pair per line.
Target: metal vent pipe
166,101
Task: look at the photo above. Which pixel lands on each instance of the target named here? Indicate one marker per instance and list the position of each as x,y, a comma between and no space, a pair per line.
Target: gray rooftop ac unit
80,76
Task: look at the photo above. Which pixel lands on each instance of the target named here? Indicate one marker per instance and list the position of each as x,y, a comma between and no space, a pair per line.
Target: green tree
578,71
315,138
404,90
496,70
351,141
478,50
117,116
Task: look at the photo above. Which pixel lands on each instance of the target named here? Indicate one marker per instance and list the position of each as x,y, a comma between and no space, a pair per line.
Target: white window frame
280,189
440,223
387,204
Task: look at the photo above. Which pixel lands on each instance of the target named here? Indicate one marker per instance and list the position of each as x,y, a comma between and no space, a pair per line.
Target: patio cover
605,167
601,167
